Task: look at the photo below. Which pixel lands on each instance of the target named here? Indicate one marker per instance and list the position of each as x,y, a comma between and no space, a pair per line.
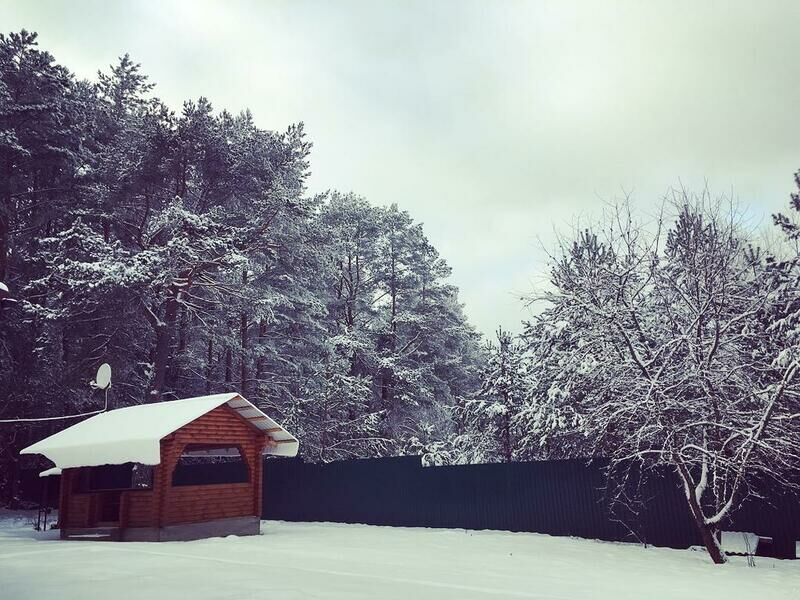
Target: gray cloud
491,122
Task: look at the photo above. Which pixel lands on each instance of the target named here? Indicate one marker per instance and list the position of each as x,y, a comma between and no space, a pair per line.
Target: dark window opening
204,464
127,476
109,507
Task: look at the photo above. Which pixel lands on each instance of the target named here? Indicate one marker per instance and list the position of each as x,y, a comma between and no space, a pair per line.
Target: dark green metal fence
566,497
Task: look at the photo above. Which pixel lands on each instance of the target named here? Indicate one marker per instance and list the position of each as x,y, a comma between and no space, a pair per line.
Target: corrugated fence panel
554,497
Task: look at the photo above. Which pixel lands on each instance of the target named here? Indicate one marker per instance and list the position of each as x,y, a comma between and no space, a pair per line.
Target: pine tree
493,412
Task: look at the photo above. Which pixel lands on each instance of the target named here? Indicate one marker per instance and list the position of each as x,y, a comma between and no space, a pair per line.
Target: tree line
183,249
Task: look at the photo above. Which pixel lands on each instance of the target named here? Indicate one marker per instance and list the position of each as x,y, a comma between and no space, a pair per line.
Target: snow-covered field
331,561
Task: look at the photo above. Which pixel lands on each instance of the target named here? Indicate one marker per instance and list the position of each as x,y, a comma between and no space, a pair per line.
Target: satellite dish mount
102,381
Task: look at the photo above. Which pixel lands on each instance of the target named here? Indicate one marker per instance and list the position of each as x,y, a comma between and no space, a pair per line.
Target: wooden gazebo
131,474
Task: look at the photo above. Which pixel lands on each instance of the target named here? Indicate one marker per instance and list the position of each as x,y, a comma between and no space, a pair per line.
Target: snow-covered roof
48,472
133,434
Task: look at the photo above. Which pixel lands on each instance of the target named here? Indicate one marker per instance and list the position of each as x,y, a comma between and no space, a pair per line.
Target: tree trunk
323,438
161,356
5,217
707,534
387,375
228,365
182,330
3,243
507,437
209,364
243,335
243,356
506,430
262,333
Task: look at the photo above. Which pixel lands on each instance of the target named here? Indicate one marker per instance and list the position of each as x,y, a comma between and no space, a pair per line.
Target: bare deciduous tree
682,367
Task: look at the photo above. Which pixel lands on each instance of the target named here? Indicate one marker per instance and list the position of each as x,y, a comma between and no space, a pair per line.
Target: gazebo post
63,504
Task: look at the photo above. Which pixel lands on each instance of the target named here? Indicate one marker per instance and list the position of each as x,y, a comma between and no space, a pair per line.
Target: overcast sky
491,122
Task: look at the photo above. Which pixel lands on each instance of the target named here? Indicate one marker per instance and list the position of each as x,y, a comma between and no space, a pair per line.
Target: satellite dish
5,294
103,378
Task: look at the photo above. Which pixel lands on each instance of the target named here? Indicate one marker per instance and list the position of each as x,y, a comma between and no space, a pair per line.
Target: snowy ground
330,561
